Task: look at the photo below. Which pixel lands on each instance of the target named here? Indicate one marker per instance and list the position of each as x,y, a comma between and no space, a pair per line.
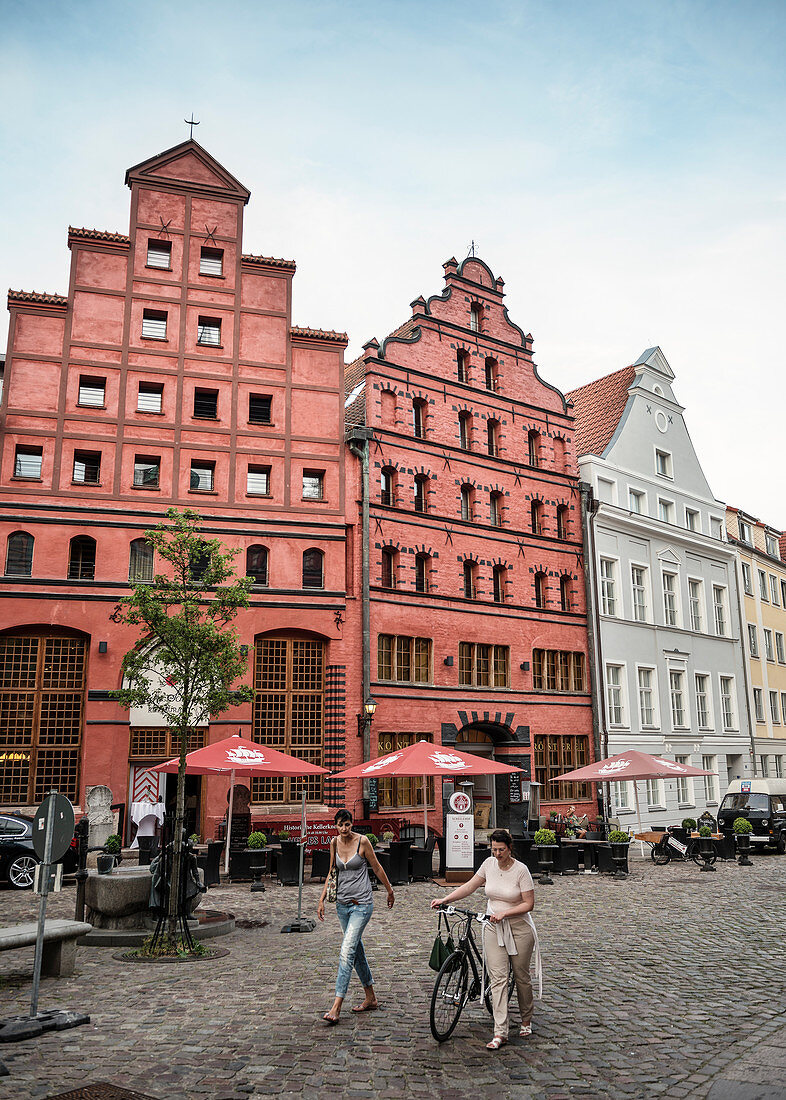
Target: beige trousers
497,965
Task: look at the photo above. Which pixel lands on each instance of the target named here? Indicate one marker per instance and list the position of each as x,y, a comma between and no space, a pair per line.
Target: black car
17,855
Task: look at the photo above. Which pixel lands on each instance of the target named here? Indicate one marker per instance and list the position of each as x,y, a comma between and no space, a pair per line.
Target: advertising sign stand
301,923
460,836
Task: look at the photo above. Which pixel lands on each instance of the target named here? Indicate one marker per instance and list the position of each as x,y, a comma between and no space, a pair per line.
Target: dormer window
475,313
159,254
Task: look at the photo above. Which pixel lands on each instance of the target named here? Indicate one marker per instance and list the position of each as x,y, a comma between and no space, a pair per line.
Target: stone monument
99,815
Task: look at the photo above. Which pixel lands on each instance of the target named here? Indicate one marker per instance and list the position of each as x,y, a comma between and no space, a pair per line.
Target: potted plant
194,838
256,860
742,834
706,848
387,836
689,824
114,847
282,835
620,843
545,841
373,841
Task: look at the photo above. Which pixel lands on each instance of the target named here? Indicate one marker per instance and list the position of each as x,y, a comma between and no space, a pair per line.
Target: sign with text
459,842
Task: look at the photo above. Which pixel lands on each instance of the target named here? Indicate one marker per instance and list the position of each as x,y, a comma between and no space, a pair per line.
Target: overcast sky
621,165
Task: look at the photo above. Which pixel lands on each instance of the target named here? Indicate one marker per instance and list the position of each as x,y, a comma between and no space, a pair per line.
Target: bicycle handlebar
449,910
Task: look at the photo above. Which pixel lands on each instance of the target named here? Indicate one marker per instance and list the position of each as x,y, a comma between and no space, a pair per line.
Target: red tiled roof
354,373
403,330
33,296
320,334
97,235
597,408
782,544
269,261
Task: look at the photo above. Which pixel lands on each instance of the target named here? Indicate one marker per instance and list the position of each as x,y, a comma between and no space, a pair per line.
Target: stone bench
60,936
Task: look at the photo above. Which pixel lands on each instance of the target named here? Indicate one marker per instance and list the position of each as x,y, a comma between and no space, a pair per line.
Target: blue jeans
353,919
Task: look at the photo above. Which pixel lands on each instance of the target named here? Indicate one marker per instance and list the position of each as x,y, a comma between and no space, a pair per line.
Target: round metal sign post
53,829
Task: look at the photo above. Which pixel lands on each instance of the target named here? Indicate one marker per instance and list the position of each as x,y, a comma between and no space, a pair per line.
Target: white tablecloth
147,816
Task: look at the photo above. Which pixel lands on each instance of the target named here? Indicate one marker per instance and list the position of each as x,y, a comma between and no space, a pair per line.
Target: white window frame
728,713
666,509
655,793
753,641
652,689
692,519
780,651
769,648
616,708
611,486
774,600
720,607
696,604
608,587
686,793
664,467
764,766
706,696
678,695
779,762
771,543
764,592
710,764
775,716
783,706
744,531
747,578
675,594
620,795
638,498
639,606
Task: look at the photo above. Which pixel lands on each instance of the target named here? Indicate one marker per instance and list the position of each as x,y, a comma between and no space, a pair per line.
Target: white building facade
662,587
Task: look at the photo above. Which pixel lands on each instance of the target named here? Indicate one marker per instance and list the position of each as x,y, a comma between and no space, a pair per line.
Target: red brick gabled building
169,375
476,617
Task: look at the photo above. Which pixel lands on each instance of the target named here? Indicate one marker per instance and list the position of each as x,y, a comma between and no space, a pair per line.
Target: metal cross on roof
192,123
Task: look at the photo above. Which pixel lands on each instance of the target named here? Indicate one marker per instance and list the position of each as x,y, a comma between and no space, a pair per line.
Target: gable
668,557
191,168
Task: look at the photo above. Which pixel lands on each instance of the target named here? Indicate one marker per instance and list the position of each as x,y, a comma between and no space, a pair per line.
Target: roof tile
597,408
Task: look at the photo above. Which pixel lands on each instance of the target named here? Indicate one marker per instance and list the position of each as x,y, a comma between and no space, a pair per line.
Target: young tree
187,657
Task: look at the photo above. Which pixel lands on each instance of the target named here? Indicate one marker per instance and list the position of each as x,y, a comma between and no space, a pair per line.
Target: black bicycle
460,977
670,848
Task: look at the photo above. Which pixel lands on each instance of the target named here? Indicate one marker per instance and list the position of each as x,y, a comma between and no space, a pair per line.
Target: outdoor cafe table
591,848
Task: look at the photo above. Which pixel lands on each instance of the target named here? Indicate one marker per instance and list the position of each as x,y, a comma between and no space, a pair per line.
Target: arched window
475,314
82,559
19,555
387,483
491,374
422,567
565,593
140,562
388,577
256,564
419,418
536,517
421,493
562,521
495,509
313,569
499,583
469,580
465,431
540,590
388,408
462,365
492,435
560,454
533,447
467,495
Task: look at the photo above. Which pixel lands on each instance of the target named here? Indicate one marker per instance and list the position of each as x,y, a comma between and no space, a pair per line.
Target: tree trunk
177,839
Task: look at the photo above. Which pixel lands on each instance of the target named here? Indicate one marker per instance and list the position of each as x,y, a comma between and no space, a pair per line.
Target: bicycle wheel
511,987
660,854
449,996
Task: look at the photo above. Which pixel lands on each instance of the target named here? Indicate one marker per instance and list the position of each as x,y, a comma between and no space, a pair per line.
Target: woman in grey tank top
352,854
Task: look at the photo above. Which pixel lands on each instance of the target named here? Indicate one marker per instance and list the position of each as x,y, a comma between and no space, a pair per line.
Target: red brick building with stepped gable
477,633
169,375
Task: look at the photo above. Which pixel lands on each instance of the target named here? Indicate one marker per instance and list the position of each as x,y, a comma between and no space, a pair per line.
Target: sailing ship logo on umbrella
447,760
240,755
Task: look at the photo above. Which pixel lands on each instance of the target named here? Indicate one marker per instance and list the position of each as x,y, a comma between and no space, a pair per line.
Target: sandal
496,1043
331,1020
526,1029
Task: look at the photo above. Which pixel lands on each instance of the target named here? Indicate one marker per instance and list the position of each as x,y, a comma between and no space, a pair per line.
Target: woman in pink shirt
510,938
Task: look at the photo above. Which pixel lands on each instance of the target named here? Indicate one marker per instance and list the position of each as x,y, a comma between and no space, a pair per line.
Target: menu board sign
460,842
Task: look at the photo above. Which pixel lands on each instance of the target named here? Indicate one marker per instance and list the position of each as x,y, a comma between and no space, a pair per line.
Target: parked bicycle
460,978
670,847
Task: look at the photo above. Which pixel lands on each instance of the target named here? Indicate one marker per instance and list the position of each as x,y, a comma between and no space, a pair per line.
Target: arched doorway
480,742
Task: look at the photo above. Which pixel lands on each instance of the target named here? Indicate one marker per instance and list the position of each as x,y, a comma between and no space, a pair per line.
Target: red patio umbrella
426,759
634,765
235,756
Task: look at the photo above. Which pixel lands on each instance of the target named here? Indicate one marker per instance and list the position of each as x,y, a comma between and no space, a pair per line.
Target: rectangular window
202,476
92,392
159,254
655,795
747,579
407,660
636,501
557,670
614,695
692,520
154,324
719,605
753,640
258,480
259,406
206,404
670,599
779,761
638,578
684,785
665,510
405,793
482,665
774,709
677,695
764,767
555,754
209,332
606,490
727,702
774,591
607,586
620,795
646,697
769,651
780,653
147,472
150,399
695,601
663,463
418,420
763,586
710,764
771,543
87,467
783,705
703,700
783,593
211,261
745,532
313,484
27,462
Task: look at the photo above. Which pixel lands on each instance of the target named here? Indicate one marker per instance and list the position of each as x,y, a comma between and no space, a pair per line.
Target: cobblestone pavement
669,984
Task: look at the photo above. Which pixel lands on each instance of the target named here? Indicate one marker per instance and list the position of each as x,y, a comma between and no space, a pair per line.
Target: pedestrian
509,938
352,855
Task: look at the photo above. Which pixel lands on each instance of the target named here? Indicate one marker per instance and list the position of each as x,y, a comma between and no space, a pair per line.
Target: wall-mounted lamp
524,666
448,661
102,647
367,717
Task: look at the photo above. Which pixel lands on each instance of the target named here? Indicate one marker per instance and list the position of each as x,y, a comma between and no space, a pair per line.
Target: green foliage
194,838
373,841
616,836
689,822
283,834
113,845
387,836
545,836
170,947
256,840
553,815
705,830
742,826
